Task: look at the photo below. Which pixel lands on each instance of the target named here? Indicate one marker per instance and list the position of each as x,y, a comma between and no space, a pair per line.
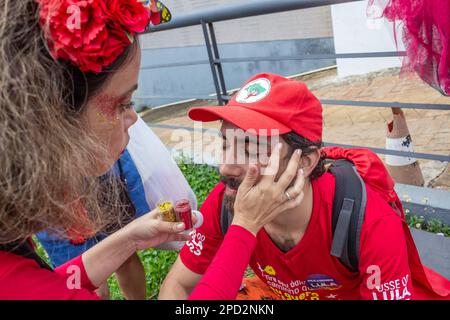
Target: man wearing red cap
292,256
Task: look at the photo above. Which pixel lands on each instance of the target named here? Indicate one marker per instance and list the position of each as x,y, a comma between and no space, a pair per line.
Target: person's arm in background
179,282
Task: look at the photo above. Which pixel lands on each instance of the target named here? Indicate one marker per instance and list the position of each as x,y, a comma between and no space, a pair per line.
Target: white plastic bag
160,175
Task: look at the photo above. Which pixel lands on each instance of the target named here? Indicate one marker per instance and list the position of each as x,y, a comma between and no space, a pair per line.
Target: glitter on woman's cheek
107,111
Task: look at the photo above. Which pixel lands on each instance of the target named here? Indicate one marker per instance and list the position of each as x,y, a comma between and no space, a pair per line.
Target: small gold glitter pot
166,211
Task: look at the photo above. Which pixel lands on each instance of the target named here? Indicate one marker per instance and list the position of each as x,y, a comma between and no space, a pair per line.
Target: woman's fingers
269,173
297,188
250,179
169,227
152,214
258,203
291,171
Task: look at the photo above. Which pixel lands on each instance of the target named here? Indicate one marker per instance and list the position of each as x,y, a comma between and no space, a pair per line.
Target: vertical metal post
218,64
212,63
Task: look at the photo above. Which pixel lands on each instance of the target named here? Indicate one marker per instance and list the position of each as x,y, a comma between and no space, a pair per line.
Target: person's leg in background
131,278
131,275
405,170
103,291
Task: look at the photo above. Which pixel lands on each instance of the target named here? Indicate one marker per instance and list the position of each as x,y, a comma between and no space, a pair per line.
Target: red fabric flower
91,33
128,13
79,234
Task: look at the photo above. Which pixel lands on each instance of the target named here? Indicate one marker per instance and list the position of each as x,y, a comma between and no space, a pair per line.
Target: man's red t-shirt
308,271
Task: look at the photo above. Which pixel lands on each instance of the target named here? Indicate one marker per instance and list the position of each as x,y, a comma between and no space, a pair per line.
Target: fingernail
302,172
279,145
298,151
180,226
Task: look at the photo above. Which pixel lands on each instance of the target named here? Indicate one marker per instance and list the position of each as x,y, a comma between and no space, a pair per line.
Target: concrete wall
297,24
287,33
190,81
354,32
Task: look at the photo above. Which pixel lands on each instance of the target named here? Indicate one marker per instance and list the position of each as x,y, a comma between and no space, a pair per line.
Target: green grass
430,225
201,178
156,265
41,251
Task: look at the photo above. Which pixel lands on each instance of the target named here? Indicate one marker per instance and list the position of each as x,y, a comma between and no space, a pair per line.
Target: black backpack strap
24,249
225,217
349,206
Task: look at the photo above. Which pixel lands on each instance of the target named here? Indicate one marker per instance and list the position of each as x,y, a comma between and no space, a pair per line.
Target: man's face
240,150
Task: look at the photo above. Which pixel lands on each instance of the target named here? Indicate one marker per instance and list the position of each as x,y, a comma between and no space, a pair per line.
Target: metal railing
207,17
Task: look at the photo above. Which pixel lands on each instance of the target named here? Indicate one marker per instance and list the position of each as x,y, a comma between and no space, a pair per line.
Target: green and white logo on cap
254,91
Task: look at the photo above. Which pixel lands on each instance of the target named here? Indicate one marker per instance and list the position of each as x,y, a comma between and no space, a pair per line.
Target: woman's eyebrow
134,88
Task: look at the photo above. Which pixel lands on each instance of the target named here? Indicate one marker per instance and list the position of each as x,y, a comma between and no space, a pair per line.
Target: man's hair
296,141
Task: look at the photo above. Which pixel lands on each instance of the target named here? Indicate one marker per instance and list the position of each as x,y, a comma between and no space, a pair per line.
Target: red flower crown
91,34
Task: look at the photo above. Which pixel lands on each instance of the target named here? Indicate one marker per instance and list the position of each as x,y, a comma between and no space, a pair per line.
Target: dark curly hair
296,141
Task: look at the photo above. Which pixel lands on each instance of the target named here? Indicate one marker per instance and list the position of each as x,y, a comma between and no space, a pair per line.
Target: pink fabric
426,35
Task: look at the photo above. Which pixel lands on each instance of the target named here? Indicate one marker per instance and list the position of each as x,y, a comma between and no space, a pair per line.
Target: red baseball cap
269,102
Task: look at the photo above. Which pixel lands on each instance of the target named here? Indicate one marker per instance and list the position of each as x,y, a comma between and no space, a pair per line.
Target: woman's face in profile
110,113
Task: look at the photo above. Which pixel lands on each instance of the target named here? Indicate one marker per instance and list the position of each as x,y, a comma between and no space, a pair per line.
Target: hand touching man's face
240,150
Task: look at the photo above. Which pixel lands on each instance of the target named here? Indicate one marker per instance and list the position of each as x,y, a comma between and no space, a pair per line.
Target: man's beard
230,199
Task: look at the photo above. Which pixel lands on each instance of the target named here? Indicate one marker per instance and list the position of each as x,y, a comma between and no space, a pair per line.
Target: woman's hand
149,231
259,203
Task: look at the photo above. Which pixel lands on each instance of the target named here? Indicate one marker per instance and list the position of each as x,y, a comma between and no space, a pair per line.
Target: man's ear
309,161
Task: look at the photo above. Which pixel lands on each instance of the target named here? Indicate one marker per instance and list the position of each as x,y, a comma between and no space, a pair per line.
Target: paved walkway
362,126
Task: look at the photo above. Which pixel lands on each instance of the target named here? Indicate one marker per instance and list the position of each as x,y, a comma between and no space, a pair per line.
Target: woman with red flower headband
68,71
